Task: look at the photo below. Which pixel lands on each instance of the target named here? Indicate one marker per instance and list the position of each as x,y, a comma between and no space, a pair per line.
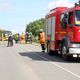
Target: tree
35,26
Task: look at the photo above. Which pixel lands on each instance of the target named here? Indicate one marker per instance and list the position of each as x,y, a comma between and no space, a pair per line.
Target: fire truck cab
62,31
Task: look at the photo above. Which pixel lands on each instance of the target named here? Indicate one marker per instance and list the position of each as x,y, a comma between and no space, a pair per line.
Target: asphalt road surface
26,62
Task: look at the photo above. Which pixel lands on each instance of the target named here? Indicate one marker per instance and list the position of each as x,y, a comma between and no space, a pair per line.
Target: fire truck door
53,29
52,32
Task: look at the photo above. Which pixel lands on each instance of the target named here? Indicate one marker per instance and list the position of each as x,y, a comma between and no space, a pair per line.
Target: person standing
10,41
26,36
30,36
22,38
16,38
42,39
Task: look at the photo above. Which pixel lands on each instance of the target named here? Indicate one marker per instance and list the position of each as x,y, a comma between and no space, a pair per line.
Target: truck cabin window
70,19
77,17
63,21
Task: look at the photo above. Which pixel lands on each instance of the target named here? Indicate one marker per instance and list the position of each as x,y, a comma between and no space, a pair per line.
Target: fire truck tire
48,49
64,52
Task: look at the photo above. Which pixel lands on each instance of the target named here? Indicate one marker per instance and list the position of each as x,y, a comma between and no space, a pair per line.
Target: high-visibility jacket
22,36
42,37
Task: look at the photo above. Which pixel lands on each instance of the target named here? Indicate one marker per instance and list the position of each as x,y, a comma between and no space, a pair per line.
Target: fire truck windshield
77,17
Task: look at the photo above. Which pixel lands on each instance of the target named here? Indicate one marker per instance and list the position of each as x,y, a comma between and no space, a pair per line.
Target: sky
16,14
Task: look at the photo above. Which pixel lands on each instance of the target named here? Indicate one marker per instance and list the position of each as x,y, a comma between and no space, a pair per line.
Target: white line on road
74,74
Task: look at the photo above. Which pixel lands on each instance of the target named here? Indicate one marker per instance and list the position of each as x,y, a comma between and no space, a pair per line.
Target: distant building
5,35
7,32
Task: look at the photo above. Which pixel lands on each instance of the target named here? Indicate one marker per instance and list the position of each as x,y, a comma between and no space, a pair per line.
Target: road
26,62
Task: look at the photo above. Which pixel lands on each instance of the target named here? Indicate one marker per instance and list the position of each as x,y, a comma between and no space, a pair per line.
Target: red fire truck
63,31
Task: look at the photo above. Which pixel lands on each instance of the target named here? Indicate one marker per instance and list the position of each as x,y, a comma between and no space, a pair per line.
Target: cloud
4,6
60,3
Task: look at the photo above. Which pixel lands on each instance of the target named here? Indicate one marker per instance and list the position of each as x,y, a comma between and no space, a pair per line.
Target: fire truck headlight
75,45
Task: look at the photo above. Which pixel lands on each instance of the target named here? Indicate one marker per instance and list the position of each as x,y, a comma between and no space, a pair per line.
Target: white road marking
59,66
74,74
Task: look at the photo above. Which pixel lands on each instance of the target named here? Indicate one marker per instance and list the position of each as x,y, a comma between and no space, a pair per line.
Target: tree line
35,26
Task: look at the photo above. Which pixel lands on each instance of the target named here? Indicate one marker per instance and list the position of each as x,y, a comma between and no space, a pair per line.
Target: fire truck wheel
48,49
64,52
